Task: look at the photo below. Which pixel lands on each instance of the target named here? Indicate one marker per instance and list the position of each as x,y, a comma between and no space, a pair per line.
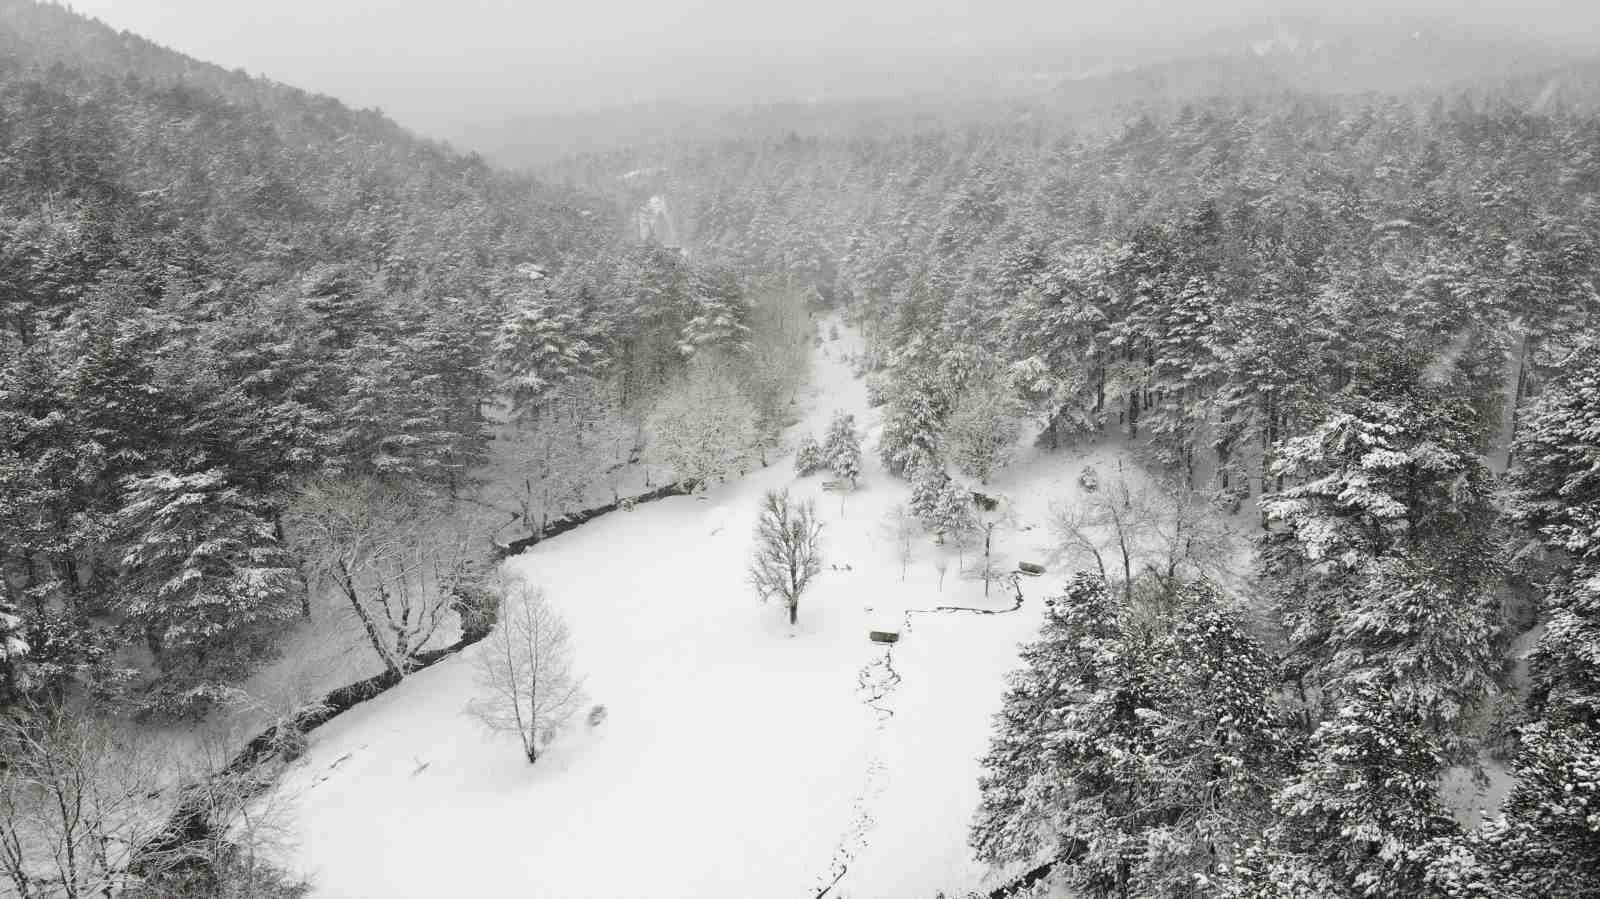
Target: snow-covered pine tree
1020,790
808,456
928,480
13,649
1382,476
1359,816
207,579
1442,648
841,448
48,472
716,314
954,517
1103,762
376,432
342,304
911,422
1549,844
543,341
450,357
1184,374
1057,332
1556,498
1389,516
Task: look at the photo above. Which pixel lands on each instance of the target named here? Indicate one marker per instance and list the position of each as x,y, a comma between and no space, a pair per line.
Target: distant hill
242,162
1059,83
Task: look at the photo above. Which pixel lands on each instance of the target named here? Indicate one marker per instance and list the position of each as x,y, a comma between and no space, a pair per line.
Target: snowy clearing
737,758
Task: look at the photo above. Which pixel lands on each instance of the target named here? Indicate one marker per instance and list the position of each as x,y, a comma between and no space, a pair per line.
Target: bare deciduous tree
1107,527
84,805
76,799
397,560
788,552
991,566
233,856
524,668
1170,531
1189,535
571,440
900,526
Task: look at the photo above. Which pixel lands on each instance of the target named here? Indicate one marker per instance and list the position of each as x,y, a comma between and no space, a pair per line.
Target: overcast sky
437,63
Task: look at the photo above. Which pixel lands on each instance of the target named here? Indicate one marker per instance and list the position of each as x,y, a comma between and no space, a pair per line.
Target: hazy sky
435,63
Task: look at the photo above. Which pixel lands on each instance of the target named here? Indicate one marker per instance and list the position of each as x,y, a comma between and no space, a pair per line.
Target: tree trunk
794,612
347,584
283,540
1516,401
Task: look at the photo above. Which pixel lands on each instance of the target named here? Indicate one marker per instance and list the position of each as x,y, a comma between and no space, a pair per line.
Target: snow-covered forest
1179,482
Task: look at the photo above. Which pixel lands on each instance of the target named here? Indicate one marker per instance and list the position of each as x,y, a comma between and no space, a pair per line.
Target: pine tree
1379,476
48,474
543,342
449,356
954,518
377,434
1359,816
716,314
1549,842
342,304
1441,648
1103,762
1057,332
207,578
1386,566
928,481
911,423
1020,793
1557,484
809,457
841,447
14,649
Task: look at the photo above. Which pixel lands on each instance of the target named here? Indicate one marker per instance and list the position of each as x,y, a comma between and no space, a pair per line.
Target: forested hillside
216,290
1352,315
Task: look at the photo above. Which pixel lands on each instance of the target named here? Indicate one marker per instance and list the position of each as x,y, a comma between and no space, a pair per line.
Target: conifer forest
1162,467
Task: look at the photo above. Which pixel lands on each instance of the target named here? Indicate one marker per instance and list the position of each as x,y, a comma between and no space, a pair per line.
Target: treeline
1352,312
217,293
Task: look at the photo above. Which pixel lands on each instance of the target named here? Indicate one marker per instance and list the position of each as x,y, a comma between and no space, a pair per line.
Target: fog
445,66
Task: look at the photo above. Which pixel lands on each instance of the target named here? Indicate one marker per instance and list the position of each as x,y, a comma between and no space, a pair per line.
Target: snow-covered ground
738,758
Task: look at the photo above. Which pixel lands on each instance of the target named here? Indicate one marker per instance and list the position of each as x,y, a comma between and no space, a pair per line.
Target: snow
737,758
